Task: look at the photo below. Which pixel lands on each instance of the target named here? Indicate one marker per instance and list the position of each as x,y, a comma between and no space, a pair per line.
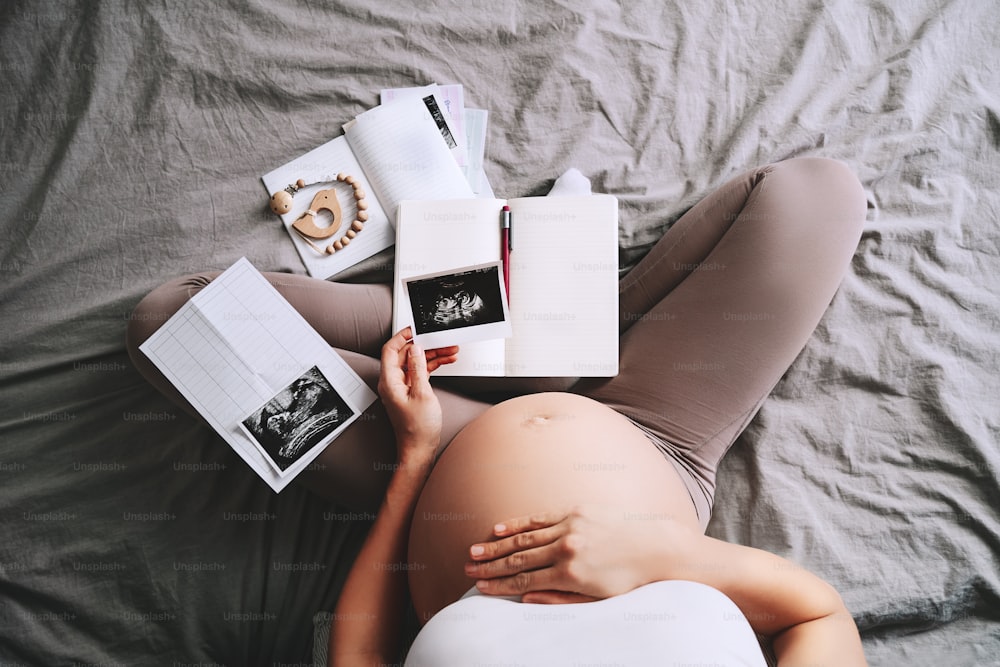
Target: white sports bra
663,623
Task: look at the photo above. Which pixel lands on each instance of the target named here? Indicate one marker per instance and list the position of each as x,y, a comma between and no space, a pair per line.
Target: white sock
572,183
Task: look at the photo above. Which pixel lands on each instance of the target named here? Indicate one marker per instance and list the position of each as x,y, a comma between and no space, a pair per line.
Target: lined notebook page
405,156
321,166
564,286
235,345
436,236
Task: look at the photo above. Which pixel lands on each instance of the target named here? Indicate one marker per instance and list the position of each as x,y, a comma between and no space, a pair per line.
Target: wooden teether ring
325,200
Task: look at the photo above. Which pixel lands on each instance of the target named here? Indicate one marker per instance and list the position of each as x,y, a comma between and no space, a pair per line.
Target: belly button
536,420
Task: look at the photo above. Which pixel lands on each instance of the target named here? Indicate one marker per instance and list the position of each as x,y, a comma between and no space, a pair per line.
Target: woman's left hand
585,554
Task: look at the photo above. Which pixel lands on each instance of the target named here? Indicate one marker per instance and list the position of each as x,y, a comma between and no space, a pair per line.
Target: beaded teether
325,200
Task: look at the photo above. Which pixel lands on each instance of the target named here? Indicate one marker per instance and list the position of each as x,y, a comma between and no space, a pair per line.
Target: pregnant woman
594,492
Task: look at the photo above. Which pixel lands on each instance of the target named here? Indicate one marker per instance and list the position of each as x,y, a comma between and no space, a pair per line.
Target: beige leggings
710,319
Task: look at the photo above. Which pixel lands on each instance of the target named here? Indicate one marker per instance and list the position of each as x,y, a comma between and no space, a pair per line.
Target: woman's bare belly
534,453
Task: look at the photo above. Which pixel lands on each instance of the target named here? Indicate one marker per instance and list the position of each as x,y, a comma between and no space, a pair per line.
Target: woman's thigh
718,310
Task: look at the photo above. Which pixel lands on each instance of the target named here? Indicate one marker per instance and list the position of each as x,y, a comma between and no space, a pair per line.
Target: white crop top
663,623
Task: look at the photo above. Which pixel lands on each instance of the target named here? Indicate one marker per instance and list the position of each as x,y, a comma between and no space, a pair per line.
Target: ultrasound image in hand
457,300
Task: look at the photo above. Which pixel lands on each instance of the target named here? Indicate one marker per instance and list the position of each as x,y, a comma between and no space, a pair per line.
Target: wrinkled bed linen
133,139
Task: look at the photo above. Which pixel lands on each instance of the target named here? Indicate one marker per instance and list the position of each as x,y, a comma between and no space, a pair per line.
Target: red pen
505,247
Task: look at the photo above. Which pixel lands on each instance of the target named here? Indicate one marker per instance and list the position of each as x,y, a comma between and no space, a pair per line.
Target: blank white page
564,286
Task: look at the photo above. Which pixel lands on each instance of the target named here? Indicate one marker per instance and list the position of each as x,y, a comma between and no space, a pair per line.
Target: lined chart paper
237,345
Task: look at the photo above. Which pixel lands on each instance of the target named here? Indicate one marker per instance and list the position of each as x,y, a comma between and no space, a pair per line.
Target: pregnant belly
541,452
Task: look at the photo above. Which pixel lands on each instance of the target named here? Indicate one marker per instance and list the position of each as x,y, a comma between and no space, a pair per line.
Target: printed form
238,350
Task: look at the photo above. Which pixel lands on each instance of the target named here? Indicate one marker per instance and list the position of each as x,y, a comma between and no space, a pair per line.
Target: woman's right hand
405,389
587,553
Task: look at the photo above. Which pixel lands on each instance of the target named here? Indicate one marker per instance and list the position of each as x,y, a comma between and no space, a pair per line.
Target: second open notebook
563,279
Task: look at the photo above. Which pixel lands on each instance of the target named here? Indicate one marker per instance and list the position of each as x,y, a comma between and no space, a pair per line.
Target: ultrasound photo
459,306
297,418
455,300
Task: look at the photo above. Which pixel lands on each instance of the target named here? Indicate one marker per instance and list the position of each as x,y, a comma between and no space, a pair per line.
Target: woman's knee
834,184
160,304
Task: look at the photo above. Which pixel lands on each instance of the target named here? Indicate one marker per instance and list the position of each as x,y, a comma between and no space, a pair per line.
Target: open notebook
563,279
258,373
397,151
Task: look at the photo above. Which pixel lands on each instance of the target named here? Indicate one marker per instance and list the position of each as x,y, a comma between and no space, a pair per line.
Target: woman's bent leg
718,310
354,319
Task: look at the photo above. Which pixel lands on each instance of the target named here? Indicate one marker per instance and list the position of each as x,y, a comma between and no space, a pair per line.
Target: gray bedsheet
133,136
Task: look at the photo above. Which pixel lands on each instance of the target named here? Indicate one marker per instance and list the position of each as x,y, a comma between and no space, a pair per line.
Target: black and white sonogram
297,418
459,306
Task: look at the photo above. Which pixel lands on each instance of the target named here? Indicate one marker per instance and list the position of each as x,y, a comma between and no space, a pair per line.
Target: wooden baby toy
325,200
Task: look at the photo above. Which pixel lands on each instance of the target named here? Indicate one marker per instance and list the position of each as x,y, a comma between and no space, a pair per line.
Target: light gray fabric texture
132,139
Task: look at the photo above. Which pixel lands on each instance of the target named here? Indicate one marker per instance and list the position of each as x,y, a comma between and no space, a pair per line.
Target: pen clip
509,227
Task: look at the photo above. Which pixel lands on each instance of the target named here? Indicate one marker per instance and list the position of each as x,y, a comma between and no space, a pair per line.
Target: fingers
416,368
395,345
391,374
421,363
531,522
520,560
394,352
520,583
396,366
529,545
519,542
545,586
440,352
440,357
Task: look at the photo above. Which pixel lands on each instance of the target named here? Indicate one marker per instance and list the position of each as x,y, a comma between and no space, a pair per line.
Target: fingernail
499,528
481,584
477,550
